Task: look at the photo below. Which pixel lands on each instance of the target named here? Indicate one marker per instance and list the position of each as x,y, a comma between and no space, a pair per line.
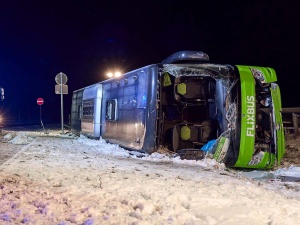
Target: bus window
111,109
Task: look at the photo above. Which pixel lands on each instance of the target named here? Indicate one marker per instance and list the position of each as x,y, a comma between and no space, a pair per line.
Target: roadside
8,150
292,151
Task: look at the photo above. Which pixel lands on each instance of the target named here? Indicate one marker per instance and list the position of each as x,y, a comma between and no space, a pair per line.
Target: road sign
61,78
61,89
40,101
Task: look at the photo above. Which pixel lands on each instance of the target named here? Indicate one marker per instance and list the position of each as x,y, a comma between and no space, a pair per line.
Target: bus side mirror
1,93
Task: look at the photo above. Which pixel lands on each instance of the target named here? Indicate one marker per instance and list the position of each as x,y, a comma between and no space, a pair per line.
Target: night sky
85,39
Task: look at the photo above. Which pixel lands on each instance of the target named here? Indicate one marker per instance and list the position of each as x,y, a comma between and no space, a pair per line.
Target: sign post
61,79
40,102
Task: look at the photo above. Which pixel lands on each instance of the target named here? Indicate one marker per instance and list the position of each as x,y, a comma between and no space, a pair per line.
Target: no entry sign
40,101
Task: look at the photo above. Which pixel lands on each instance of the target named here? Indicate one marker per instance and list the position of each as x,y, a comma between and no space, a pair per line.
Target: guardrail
290,119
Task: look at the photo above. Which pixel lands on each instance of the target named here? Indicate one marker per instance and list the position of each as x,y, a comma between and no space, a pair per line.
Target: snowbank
81,181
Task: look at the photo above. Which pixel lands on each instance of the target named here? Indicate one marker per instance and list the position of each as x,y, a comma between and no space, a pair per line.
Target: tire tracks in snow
23,149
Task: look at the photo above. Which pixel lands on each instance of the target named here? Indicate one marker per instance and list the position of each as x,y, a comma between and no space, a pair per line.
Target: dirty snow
63,179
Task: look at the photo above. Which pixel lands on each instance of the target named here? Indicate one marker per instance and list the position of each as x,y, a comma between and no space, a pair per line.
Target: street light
115,74
110,74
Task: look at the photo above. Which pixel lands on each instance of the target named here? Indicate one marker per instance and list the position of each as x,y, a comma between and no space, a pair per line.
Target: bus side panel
278,122
150,138
76,111
97,111
125,109
91,111
248,117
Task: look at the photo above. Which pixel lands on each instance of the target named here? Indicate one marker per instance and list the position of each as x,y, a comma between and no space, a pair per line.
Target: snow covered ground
62,179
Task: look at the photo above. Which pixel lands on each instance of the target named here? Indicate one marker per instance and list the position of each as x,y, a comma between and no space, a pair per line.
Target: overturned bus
186,103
